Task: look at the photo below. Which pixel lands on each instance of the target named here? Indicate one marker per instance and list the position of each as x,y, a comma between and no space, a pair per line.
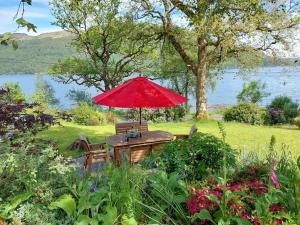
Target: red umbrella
140,93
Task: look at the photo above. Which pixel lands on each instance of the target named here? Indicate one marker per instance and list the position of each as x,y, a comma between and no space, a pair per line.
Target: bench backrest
123,128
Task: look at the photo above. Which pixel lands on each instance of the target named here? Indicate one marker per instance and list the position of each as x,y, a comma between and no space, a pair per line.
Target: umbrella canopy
139,92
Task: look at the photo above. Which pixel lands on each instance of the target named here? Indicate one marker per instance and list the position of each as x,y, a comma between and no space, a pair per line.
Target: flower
256,221
274,179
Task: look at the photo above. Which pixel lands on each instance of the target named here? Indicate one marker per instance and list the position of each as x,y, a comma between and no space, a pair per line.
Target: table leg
117,156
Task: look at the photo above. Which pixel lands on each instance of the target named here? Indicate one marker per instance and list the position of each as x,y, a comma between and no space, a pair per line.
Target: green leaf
128,221
31,26
66,203
83,220
298,162
17,200
203,215
110,217
29,2
21,22
14,44
240,221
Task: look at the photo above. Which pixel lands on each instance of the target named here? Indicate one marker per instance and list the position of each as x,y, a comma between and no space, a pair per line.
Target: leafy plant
194,158
87,115
13,204
158,115
254,92
245,113
282,110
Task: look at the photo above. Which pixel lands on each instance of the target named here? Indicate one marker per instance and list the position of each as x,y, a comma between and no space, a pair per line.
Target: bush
111,117
159,114
253,92
245,113
194,158
282,110
297,122
87,115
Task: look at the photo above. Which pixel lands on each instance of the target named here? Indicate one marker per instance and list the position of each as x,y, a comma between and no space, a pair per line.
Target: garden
206,179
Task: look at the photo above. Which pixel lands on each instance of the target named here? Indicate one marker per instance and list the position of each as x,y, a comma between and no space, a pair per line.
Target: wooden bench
123,128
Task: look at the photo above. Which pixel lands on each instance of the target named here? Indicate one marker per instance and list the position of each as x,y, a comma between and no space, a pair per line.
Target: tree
15,93
7,37
111,44
219,30
44,94
171,68
253,92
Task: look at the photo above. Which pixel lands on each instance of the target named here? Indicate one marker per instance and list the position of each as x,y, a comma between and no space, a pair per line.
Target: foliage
245,113
194,158
113,43
111,117
259,192
107,198
80,96
282,110
209,33
87,115
44,94
297,121
158,115
253,92
15,93
35,53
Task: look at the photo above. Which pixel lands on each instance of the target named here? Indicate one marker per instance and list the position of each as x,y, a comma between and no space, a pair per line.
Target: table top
147,138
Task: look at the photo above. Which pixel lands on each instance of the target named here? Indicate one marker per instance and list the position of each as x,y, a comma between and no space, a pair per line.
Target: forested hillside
35,53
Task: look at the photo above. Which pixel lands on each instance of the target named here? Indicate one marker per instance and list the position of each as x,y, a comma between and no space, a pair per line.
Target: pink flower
245,215
274,179
256,221
238,207
278,221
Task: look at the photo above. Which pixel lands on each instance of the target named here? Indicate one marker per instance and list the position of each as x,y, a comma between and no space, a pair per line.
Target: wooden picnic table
118,142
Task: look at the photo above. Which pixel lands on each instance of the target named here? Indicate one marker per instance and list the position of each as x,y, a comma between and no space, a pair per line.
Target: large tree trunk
201,100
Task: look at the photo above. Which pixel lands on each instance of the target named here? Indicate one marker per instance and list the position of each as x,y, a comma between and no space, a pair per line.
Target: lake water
279,80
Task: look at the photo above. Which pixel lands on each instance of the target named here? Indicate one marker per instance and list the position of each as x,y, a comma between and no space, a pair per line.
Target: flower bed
239,197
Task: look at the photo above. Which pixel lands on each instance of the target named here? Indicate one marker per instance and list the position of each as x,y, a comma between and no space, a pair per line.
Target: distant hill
35,53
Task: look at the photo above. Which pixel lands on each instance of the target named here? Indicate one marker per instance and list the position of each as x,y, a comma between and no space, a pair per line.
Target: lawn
241,136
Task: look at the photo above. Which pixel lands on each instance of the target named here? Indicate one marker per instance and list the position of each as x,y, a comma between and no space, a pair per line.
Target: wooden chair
193,130
123,128
94,153
137,153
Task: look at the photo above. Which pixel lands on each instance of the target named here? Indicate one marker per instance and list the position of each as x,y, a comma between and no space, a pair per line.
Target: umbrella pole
140,116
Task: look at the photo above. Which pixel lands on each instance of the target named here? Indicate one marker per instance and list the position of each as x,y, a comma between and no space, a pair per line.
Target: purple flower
274,179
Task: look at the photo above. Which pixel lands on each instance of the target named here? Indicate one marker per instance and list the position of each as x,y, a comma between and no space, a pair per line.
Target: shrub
111,117
87,115
297,122
159,114
282,110
245,113
253,92
194,158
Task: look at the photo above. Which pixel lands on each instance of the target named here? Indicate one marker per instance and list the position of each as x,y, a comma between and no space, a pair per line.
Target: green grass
240,136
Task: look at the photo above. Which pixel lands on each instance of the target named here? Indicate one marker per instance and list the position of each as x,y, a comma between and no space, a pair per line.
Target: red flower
278,221
256,221
211,180
238,207
245,215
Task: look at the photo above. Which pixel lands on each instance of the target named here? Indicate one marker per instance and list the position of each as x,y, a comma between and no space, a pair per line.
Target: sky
38,13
